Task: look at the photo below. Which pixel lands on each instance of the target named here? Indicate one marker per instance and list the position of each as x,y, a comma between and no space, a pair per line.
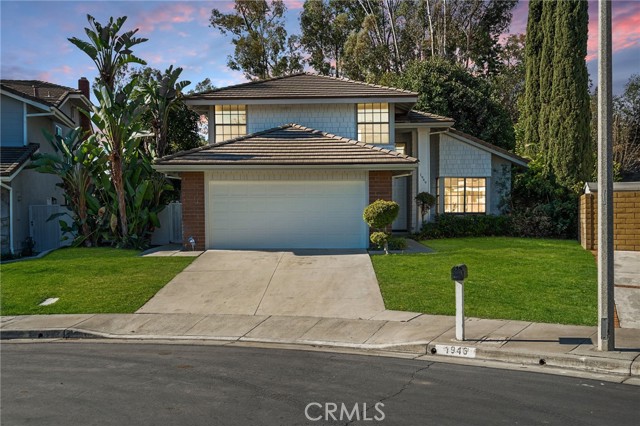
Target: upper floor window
373,123
465,195
58,130
231,121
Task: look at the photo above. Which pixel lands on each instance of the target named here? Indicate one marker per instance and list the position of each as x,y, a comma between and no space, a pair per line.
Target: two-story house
26,108
292,162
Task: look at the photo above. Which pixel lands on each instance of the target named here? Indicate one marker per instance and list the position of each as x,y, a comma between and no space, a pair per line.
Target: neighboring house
26,108
293,161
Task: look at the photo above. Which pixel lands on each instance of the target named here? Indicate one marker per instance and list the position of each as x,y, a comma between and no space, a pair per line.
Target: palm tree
161,93
111,52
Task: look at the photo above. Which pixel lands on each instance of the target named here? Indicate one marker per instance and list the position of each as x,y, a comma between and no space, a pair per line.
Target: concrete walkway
329,283
627,290
519,342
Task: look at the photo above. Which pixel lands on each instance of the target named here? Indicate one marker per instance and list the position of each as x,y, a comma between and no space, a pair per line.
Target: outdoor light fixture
192,241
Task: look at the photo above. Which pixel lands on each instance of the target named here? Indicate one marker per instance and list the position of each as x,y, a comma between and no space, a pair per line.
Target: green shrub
381,213
451,226
398,243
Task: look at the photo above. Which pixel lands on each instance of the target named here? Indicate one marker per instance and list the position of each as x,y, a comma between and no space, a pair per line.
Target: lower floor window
465,195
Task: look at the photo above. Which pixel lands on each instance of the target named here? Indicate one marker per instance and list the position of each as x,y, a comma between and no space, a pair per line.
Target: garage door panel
287,214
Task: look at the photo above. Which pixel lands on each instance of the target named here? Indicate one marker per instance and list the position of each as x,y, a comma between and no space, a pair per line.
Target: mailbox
459,272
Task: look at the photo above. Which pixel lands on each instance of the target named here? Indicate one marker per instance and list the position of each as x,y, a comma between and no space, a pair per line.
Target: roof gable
303,86
288,145
39,91
494,149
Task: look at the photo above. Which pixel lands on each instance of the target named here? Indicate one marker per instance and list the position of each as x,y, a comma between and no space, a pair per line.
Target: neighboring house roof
419,117
490,147
40,91
288,145
13,158
303,86
48,97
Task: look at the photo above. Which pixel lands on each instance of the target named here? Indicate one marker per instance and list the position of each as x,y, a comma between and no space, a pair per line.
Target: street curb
424,350
554,360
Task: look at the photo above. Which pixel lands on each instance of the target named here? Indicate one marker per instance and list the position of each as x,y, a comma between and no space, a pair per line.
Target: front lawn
551,281
87,280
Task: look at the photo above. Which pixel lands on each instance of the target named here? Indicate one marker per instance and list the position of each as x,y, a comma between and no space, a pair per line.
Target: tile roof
503,151
288,145
11,158
39,91
303,86
413,116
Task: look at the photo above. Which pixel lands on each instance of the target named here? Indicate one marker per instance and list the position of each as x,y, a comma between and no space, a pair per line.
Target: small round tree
379,215
425,201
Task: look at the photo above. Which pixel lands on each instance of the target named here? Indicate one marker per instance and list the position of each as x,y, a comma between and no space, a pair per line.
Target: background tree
509,83
325,27
625,130
448,89
530,105
262,49
203,86
570,154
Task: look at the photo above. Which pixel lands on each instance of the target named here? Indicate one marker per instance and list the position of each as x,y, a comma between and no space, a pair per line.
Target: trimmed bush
451,226
379,239
381,213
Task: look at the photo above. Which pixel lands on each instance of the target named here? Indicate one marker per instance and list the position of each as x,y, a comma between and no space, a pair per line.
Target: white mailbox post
458,274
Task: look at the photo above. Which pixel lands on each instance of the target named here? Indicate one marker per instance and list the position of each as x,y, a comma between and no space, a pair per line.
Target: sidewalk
517,342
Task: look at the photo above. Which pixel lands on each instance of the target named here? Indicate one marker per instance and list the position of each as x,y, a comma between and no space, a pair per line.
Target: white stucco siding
12,122
458,159
339,119
500,183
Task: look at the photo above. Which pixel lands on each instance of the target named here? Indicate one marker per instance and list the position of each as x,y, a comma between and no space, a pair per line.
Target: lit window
58,130
231,122
373,123
465,195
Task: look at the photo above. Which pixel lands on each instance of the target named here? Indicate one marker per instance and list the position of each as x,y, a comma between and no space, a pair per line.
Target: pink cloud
625,22
44,76
165,16
294,4
625,27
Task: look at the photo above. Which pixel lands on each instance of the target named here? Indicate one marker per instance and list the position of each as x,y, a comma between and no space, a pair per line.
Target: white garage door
277,210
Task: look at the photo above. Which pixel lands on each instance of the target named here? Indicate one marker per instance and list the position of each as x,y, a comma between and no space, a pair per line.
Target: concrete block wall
626,220
339,119
458,159
193,216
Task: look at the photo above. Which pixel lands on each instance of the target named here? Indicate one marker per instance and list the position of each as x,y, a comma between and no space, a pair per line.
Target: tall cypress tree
548,26
569,151
531,101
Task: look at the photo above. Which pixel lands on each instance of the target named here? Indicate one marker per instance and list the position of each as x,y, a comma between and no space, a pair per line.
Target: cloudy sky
34,34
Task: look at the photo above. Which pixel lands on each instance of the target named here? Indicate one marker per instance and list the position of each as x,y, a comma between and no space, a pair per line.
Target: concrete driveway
319,283
627,291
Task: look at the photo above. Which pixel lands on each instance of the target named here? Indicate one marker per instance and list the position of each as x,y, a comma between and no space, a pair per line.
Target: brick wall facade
380,188
626,220
193,218
380,185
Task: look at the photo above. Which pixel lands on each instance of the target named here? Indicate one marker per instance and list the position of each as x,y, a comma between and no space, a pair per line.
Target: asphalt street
78,383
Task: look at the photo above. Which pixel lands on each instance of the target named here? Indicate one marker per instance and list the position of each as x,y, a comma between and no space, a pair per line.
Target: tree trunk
433,51
116,169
